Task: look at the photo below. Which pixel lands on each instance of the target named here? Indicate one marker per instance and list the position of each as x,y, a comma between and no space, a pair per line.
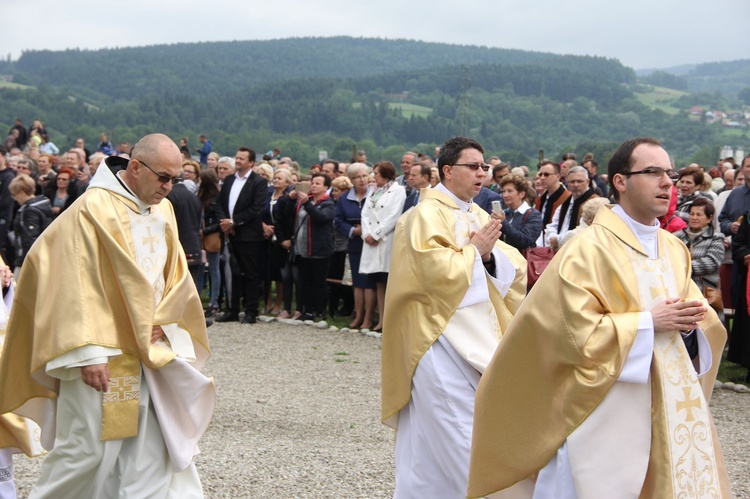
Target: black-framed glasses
474,166
545,174
655,171
163,179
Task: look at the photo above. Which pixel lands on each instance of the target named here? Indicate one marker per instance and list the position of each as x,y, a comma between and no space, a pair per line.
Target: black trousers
245,282
311,275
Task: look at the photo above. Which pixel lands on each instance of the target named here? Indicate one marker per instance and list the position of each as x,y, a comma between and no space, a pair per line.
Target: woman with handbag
522,224
208,194
706,249
348,222
338,292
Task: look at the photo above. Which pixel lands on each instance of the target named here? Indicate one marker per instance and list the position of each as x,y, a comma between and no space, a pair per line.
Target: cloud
641,33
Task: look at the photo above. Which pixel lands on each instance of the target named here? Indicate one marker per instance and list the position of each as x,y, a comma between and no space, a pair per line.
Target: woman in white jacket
379,216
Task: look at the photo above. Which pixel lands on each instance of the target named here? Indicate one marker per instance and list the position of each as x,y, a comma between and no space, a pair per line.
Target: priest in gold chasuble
452,290
601,384
106,336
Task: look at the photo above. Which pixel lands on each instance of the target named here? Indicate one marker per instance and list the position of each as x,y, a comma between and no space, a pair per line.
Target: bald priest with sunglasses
106,336
600,386
452,290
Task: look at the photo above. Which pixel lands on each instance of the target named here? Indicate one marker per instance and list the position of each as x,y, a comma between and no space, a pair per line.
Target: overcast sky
640,33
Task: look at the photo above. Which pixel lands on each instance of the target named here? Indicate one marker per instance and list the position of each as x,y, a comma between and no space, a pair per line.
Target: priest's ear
446,172
618,184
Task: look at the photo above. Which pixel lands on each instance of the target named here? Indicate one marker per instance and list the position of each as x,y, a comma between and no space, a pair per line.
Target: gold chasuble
556,369
431,269
86,281
16,433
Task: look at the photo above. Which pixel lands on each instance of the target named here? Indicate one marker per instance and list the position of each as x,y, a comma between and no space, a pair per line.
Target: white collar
240,177
105,179
523,208
646,234
462,205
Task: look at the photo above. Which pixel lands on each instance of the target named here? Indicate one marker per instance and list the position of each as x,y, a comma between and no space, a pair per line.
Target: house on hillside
736,115
732,124
696,111
715,116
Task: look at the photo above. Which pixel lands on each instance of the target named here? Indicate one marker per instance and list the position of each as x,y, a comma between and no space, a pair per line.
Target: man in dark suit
418,179
485,198
189,215
243,197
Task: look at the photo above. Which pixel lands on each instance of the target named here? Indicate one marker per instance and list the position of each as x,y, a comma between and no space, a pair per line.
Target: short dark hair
708,209
326,178
334,163
555,165
451,150
692,171
622,160
569,155
385,169
425,170
498,167
592,161
518,182
250,153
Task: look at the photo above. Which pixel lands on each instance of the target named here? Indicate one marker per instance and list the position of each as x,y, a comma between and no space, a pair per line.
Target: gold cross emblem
120,387
688,404
150,239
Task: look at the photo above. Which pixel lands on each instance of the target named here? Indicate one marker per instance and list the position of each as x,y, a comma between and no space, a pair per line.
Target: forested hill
219,67
308,95
727,77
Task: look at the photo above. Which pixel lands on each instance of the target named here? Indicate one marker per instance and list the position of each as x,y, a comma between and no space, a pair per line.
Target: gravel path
298,416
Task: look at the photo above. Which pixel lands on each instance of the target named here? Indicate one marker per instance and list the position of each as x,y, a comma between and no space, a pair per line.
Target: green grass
409,110
8,84
661,98
729,371
734,133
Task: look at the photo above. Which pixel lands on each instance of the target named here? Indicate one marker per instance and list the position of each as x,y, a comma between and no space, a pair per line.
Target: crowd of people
324,245
391,250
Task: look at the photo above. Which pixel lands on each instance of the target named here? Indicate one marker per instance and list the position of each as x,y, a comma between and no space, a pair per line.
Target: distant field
407,110
661,98
7,84
735,132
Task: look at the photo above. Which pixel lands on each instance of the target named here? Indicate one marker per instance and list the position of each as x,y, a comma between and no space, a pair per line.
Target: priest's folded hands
484,240
676,315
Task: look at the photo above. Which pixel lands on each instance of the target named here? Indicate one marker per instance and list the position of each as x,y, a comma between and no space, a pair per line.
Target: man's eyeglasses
163,179
474,166
544,174
655,171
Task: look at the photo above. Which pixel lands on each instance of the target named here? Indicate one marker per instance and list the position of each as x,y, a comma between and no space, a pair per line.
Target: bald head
156,144
156,160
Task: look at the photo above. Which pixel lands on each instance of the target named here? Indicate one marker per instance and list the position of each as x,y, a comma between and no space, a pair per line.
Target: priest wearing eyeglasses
106,336
600,386
454,288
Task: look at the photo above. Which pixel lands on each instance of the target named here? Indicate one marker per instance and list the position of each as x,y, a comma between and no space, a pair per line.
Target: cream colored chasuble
611,452
120,402
474,330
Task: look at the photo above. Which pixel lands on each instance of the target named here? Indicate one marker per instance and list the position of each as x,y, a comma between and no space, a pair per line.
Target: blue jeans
214,277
